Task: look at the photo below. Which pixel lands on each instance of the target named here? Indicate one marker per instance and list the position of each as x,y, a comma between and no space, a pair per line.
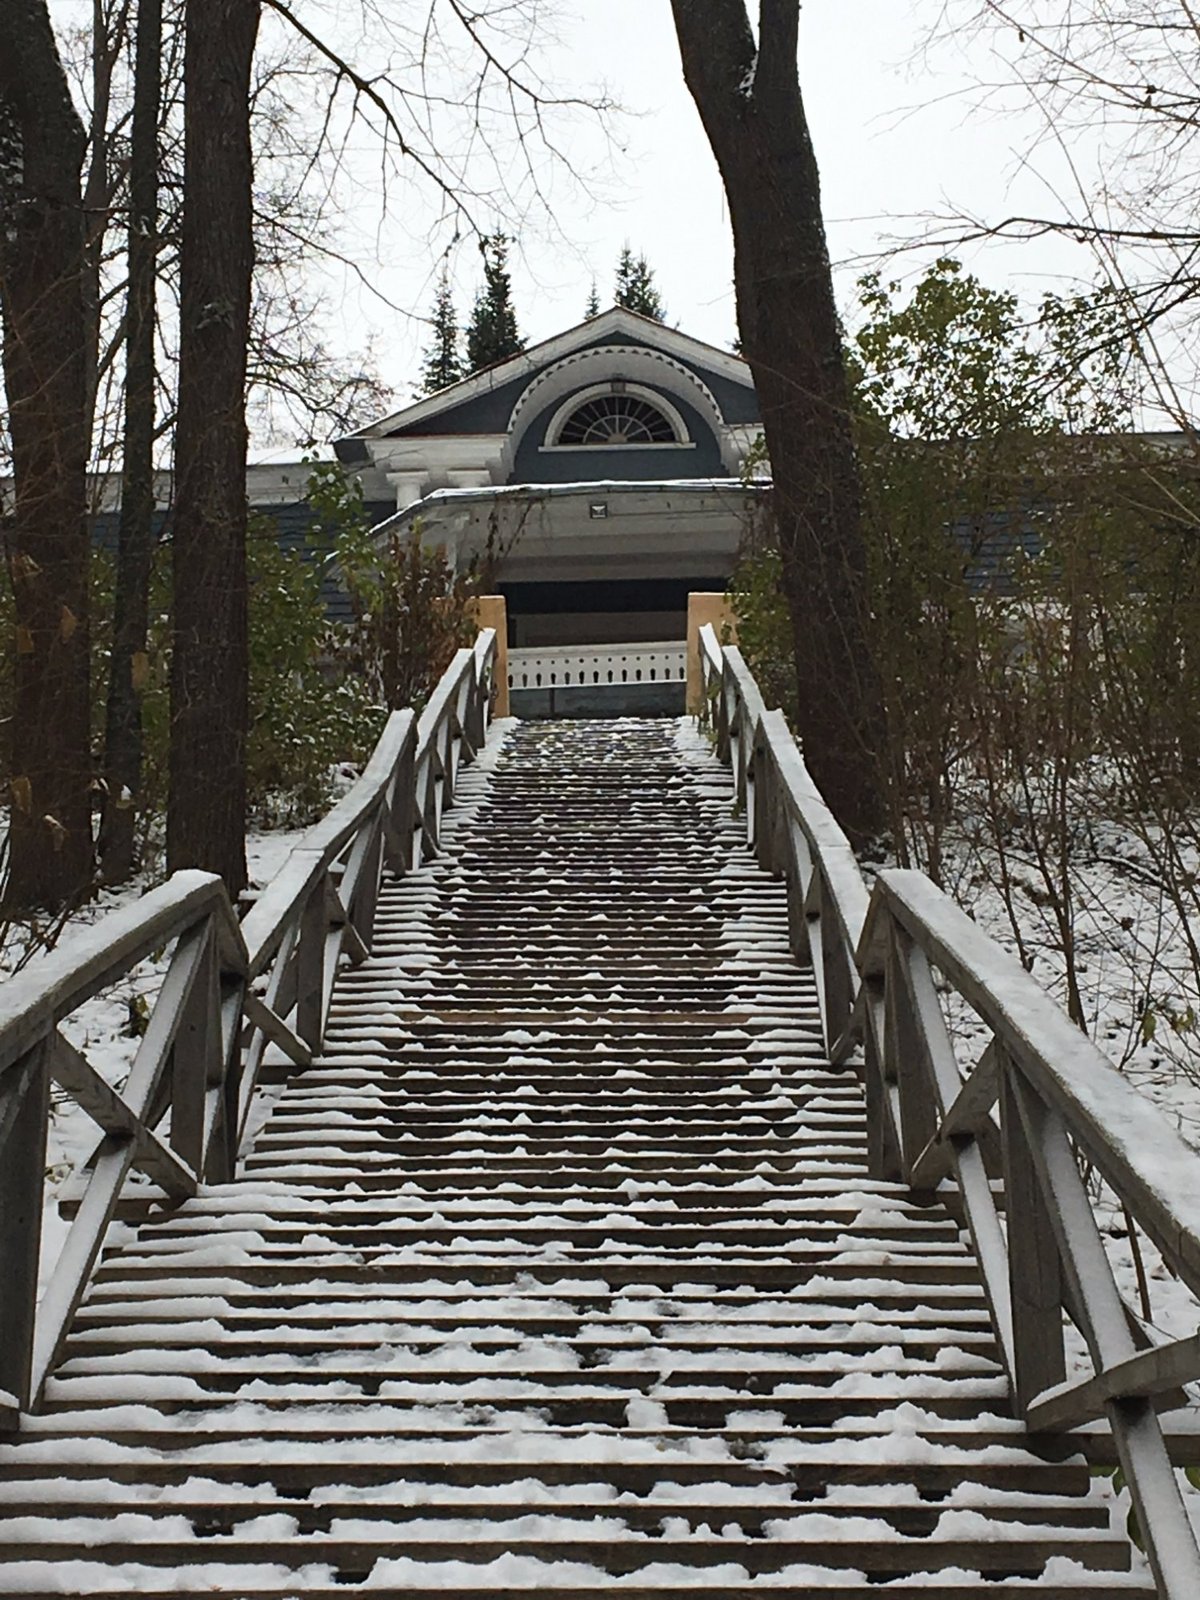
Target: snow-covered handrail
320,906
187,1066
793,833
229,992
1060,1101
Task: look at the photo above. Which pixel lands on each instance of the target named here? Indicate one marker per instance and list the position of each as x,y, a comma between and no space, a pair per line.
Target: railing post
310,967
221,1163
401,815
24,1113
883,1152
1034,1271
191,1053
906,1065
834,977
366,894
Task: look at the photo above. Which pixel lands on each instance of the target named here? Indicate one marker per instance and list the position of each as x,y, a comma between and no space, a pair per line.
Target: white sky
899,134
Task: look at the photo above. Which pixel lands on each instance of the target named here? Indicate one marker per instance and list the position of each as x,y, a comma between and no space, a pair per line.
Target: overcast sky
899,132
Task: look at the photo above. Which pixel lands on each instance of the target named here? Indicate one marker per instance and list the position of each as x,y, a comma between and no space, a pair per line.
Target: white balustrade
597,665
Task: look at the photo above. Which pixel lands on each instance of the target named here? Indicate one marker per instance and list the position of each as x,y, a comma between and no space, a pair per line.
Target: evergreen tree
492,334
442,364
636,289
593,303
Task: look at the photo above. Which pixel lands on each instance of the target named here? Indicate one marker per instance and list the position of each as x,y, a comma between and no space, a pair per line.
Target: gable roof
612,322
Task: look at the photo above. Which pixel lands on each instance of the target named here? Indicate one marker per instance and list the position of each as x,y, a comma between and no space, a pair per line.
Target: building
596,480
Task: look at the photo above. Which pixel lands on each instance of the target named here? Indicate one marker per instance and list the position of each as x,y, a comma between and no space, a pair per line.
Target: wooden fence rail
230,991
1008,1133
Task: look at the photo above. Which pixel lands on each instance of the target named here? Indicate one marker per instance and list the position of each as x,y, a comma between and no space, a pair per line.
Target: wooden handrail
1122,1133
793,833
264,924
36,1000
1041,1099
208,1032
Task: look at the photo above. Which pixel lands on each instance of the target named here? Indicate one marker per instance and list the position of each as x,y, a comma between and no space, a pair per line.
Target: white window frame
600,391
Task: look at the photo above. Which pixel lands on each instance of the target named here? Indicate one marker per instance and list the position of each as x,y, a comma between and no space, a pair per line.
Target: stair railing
229,992
793,833
185,1068
320,906
1009,1130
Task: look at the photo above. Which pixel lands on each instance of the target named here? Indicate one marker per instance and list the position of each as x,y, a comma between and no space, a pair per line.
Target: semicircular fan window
616,419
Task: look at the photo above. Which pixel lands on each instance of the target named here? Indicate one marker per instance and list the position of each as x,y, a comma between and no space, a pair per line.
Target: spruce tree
492,334
593,303
636,290
442,364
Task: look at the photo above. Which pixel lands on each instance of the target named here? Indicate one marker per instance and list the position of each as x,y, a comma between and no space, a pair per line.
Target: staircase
559,1271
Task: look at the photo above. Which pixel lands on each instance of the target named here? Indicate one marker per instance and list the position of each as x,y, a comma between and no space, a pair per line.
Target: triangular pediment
614,324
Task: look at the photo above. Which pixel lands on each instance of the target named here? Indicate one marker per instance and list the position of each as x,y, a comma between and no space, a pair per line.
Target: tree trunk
206,810
42,143
750,103
135,550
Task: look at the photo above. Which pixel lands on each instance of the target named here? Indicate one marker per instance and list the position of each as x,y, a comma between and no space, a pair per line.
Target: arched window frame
600,391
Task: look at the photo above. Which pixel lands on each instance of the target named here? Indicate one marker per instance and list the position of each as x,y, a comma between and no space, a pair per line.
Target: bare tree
210,658
747,92
135,553
42,253
1109,94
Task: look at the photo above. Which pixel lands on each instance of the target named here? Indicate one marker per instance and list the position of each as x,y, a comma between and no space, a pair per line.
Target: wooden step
559,1271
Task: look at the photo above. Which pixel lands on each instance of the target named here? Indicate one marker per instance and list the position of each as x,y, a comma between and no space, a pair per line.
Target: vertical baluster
451,750
24,1112
1035,1276
907,1064
836,977
425,840
221,1160
883,1150
747,778
763,799
799,875
402,811
478,706
197,1038
725,695
310,967
366,894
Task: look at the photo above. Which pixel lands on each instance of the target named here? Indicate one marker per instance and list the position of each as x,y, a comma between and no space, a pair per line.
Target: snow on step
561,1271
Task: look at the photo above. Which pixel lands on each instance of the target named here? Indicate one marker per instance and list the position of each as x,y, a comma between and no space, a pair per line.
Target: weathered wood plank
74,1073
1095,1303
69,1280
1122,1133
277,1031
914,1045
197,1041
154,1049
1035,1283
310,967
24,1109
969,1110
1146,1375
89,959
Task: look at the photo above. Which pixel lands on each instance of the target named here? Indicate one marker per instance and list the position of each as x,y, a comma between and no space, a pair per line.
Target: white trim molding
600,391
